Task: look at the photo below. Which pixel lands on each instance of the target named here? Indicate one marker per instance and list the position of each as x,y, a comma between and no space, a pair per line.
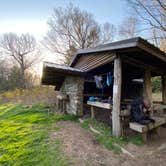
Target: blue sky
22,16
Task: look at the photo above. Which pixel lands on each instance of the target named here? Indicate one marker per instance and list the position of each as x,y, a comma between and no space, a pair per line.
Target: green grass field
24,137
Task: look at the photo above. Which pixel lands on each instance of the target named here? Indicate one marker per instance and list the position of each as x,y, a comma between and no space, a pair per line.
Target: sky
31,16
22,16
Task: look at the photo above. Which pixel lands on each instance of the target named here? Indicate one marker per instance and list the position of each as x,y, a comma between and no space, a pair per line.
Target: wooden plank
144,128
164,89
137,127
116,127
100,104
158,122
89,62
159,107
98,63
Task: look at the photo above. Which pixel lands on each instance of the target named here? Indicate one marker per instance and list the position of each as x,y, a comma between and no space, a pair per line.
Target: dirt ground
82,147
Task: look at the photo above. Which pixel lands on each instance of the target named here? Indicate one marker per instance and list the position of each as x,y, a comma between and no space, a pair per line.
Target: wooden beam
164,89
100,104
147,88
153,50
143,65
116,127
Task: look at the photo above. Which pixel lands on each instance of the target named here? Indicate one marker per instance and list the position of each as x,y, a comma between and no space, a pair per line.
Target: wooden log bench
143,129
98,104
163,116
108,106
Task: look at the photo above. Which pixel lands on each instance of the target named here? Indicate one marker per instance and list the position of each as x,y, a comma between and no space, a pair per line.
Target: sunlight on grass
157,96
24,136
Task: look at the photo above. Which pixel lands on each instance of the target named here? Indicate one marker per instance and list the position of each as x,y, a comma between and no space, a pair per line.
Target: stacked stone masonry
73,87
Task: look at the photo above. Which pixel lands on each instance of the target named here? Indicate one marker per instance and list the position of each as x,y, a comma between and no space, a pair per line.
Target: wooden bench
99,105
143,129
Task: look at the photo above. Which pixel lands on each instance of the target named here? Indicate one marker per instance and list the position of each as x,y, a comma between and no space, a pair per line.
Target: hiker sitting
138,108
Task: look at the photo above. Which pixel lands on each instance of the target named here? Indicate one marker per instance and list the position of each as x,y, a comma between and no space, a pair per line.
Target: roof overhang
127,44
131,50
54,74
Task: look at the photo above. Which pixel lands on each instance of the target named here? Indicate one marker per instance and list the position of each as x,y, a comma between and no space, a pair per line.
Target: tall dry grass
41,94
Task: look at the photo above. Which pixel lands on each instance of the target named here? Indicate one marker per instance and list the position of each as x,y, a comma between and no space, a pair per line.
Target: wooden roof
127,44
54,74
90,62
135,51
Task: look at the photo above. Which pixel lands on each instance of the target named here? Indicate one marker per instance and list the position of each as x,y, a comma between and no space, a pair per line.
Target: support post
116,127
147,87
92,112
144,137
164,89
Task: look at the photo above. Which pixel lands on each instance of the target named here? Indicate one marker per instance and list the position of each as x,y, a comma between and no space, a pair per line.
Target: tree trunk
23,86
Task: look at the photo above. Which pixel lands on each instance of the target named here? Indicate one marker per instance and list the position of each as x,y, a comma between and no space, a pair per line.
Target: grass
24,137
41,94
157,96
106,137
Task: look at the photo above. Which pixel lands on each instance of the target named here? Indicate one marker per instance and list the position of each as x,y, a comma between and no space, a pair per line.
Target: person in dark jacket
137,111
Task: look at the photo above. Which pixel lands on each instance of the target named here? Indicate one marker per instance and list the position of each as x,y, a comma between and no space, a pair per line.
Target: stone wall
73,87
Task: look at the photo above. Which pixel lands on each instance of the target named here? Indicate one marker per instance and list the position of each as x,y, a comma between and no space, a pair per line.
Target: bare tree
3,74
72,29
153,12
128,28
22,49
107,33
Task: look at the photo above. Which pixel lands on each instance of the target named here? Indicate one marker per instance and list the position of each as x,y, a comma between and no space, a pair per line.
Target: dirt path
82,147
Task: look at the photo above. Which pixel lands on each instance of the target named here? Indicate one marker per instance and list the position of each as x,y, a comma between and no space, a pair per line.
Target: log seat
143,129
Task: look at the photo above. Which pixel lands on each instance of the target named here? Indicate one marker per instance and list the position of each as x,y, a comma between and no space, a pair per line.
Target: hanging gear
109,79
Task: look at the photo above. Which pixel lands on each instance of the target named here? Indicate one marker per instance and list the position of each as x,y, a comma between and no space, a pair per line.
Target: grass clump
24,136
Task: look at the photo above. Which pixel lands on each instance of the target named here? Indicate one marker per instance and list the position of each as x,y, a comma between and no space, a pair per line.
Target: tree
3,74
129,27
153,13
71,28
22,49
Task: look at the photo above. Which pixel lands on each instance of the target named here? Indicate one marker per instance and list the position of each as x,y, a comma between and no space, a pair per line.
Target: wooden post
164,89
147,88
92,112
116,127
158,131
144,137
